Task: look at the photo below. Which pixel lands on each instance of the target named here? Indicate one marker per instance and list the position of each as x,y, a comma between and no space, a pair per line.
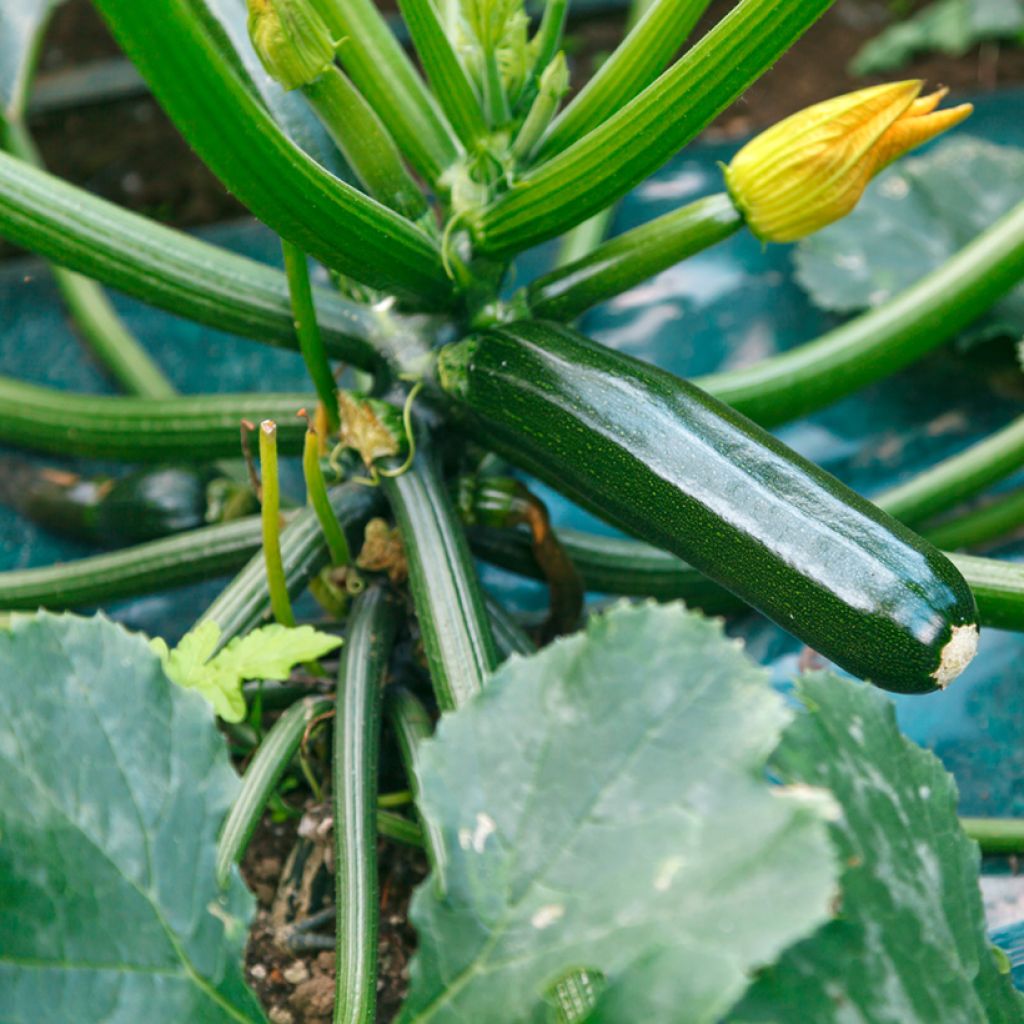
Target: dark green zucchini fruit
666,462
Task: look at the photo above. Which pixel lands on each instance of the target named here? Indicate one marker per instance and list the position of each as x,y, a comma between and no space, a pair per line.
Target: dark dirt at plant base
145,165
299,988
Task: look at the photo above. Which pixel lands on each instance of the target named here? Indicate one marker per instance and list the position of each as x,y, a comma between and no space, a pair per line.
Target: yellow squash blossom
812,168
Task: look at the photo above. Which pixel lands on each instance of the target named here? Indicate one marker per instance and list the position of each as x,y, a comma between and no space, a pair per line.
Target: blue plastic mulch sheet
730,306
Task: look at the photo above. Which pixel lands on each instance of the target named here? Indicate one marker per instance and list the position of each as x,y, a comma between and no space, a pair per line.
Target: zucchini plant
628,824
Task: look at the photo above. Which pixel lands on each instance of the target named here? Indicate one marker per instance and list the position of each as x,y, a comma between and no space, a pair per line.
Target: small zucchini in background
141,506
666,462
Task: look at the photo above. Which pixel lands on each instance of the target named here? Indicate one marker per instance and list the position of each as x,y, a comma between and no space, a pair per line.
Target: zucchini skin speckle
662,460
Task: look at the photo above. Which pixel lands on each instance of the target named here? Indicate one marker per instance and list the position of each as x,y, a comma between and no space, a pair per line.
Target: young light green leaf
270,652
113,785
589,800
909,946
912,219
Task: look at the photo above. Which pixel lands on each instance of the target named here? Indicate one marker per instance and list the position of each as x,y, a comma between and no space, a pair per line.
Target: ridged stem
375,61
176,272
270,515
635,141
189,557
963,475
311,342
117,349
633,65
884,340
269,763
451,84
989,522
626,260
201,89
996,836
188,428
453,621
365,143
371,630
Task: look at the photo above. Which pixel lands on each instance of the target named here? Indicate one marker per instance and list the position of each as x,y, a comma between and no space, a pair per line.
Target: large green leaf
909,946
591,801
913,218
946,26
21,28
113,784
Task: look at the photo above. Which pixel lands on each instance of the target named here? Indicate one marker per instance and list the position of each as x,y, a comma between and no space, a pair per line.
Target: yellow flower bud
812,168
291,39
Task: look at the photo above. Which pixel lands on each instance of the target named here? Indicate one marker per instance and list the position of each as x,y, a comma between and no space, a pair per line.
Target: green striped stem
364,142
617,565
245,602
634,142
176,272
316,493
270,515
509,637
884,340
311,342
959,477
377,64
449,603
372,624
401,829
996,836
190,557
622,262
269,763
547,42
190,428
412,725
201,89
989,522
452,86
634,64
114,345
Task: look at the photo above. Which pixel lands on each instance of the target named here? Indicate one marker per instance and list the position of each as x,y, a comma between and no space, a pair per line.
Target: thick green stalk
615,565
316,493
1003,515
996,836
173,271
114,345
244,603
961,476
630,258
886,339
451,84
998,588
375,61
634,64
191,427
269,763
190,557
311,342
210,103
270,514
371,632
641,136
449,603
364,141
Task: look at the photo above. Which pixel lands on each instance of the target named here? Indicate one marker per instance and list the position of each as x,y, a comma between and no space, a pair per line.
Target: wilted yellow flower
291,39
812,168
